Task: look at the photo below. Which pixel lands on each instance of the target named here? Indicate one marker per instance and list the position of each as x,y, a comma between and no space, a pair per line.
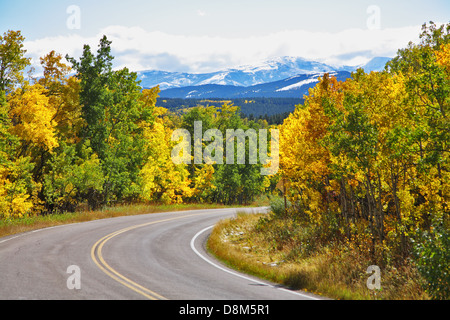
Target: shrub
432,256
278,207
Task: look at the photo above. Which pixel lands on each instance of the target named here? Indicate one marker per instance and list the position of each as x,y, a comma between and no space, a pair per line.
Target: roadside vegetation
33,222
86,136
365,168
290,252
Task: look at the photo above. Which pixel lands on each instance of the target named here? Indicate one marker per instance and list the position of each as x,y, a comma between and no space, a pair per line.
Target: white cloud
139,49
201,13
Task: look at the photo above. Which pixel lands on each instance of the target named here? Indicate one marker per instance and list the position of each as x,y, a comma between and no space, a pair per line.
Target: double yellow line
97,257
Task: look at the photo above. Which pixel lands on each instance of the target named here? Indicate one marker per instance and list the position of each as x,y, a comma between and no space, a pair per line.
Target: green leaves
114,110
71,177
432,255
230,182
12,60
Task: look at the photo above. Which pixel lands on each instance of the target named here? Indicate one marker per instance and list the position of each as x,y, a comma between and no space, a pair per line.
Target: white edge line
237,274
27,233
8,239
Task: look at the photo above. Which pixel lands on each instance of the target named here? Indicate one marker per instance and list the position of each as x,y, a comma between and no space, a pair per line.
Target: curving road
156,256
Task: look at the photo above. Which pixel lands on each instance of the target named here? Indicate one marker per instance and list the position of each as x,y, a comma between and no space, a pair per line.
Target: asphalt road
156,256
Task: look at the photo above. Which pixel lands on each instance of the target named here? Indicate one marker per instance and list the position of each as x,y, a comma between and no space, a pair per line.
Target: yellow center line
97,257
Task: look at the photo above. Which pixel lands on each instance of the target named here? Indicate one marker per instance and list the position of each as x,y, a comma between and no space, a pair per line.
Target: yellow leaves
63,93
443,57
18,207
298,144
164,182
203,181
406,201
149,96
14,200
55,71
67,107
32,117
304,159
302,131
162,179
382,96
434,191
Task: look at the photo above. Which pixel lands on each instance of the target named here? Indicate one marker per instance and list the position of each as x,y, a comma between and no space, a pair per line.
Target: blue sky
197,35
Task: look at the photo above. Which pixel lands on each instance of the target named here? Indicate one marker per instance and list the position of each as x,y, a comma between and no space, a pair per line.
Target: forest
96,138
273,110
364,162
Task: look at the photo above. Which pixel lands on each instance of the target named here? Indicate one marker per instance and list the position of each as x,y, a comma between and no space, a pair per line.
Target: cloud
139,49
71,45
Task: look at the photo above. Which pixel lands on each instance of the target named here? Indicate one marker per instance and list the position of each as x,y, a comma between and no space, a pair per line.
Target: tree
12,60
94,73
63,92
221,181
73,177
162,179
16,185
115,113
427,82
304,161
32,117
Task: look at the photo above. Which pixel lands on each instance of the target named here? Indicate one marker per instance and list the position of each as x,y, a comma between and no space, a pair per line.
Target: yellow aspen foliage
162,180
15,202
149,96
32,117
203,182
303,159
443,57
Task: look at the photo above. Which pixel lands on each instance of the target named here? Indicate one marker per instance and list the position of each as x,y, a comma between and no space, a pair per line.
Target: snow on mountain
292,87
247,75
313,79
286,64
282,76
298,85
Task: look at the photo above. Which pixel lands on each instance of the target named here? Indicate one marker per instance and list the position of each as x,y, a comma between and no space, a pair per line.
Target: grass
14,226
29,223
275,250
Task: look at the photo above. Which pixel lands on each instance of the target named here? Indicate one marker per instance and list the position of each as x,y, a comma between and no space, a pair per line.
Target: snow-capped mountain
292,87
249,75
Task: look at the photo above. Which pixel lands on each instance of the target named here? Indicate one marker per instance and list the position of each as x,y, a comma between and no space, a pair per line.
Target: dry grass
330,271
14,226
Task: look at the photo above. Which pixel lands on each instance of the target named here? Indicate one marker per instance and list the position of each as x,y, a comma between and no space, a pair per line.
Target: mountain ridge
270,70
292,87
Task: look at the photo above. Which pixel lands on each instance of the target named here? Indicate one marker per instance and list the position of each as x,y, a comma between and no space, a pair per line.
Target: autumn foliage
369,157
83,135
365,161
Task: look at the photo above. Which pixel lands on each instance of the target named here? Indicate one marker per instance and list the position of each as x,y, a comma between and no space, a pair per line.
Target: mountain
249,75
244,76
292,87
376,64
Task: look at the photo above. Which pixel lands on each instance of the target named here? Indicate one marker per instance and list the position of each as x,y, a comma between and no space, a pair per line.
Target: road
156,256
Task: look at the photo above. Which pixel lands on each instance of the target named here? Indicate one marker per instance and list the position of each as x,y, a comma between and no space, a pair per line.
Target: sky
209,35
